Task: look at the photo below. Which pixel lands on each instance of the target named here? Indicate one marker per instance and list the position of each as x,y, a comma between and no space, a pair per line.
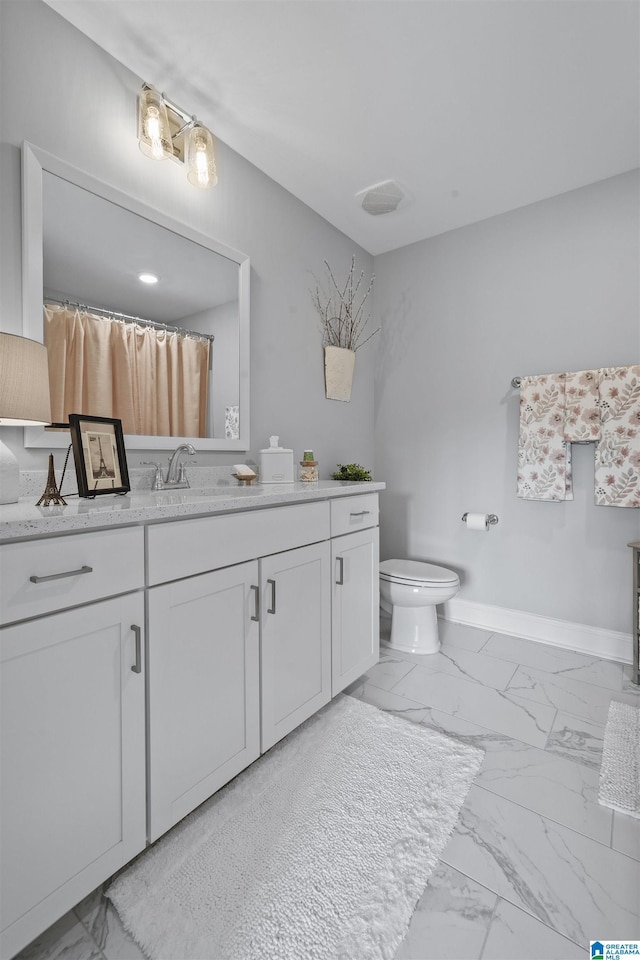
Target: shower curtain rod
127,318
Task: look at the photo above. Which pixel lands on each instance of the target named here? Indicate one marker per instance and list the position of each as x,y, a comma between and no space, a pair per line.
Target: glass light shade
154,133
24,382
200,158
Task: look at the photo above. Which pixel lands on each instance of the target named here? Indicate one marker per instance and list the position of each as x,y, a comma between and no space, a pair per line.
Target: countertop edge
23,520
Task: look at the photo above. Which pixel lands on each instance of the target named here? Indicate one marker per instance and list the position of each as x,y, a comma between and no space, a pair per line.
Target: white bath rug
318,851
620,770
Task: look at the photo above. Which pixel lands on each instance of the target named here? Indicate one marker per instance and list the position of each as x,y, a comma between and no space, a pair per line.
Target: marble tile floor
535,867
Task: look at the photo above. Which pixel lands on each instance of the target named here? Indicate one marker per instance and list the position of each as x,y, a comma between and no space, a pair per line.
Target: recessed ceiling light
148,277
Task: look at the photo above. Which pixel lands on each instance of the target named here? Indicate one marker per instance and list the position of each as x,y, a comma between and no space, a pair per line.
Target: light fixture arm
186,126
187,117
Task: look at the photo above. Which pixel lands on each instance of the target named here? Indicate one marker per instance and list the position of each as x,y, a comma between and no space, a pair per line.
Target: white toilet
410,590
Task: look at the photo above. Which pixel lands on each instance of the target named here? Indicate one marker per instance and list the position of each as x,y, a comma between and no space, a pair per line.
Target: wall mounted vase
339,364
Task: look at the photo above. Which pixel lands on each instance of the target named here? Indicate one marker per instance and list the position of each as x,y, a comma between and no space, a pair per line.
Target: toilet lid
416,571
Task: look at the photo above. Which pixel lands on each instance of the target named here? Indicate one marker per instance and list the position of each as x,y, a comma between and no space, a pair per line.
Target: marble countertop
23,519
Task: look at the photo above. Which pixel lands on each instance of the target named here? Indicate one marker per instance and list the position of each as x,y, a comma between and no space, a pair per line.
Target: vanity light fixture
147,278
164,130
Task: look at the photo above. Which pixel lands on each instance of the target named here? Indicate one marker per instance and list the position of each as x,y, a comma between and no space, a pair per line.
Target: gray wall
64,94
547,288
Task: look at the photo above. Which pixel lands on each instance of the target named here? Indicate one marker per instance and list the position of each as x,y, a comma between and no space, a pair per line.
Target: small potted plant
351,471
343,321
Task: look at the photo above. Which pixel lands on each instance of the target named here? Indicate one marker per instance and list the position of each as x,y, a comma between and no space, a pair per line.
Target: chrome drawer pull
137,667
360,513
61,576
340,580
256,615
272,608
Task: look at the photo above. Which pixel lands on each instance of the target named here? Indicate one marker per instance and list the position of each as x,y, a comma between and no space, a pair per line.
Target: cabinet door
203,688
355,629
73,759
295,638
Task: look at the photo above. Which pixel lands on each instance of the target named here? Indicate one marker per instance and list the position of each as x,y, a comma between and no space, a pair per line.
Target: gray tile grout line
517,906
417,705
557,822
423,706
533,916
537,673
490,924
506,688
88,932
574,716
550,647
613,820
426,706
521,805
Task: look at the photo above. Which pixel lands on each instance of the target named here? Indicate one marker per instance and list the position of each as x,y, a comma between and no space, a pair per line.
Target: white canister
276,463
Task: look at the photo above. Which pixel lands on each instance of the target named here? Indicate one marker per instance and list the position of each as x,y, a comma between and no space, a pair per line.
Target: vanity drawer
188,547
353,513
39,576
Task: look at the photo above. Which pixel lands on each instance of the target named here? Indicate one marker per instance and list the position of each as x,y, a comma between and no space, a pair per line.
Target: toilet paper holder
491,518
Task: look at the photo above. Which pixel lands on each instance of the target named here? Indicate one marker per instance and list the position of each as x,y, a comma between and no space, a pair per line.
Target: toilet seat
416,573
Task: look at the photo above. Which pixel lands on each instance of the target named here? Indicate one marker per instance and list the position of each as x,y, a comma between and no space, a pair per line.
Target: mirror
85,242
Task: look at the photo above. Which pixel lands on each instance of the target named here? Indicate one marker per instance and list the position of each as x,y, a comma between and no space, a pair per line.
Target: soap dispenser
276,463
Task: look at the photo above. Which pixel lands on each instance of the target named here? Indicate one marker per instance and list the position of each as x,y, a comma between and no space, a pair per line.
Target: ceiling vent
381,198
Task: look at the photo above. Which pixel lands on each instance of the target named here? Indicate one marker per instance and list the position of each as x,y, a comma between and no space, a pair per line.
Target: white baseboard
593,641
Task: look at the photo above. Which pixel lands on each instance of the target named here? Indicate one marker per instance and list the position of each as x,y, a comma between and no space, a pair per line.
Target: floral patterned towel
618,450
544,458
582,406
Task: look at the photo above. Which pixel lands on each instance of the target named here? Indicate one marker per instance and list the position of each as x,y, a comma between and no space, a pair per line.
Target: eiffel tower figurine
103,473
51,493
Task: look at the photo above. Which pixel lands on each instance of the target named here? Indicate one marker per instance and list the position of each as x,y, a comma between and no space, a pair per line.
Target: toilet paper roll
477,521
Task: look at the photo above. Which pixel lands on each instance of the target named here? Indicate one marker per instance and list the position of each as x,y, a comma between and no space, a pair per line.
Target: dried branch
342,319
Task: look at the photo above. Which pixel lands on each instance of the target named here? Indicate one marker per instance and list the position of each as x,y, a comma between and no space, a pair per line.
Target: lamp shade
24,382
154,134
201,163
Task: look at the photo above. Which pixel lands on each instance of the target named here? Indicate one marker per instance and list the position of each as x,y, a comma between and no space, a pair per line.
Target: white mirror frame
34,163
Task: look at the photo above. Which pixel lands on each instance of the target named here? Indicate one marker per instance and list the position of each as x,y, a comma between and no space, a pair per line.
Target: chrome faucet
176,477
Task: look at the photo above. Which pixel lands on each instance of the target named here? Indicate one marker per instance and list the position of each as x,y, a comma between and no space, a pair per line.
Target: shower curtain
155,381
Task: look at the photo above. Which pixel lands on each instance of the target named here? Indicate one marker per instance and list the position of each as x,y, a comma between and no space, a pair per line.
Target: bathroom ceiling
473,107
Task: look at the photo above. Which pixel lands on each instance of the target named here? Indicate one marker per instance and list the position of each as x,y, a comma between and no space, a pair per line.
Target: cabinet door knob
340,562
272,608
61,576
256,614
137,632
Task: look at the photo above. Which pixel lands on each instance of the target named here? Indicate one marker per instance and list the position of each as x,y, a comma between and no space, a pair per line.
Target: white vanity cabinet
204,718
232,667
295,639
355,633
145,665
72,806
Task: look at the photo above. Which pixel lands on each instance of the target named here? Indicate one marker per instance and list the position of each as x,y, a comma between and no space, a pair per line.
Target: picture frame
99,455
